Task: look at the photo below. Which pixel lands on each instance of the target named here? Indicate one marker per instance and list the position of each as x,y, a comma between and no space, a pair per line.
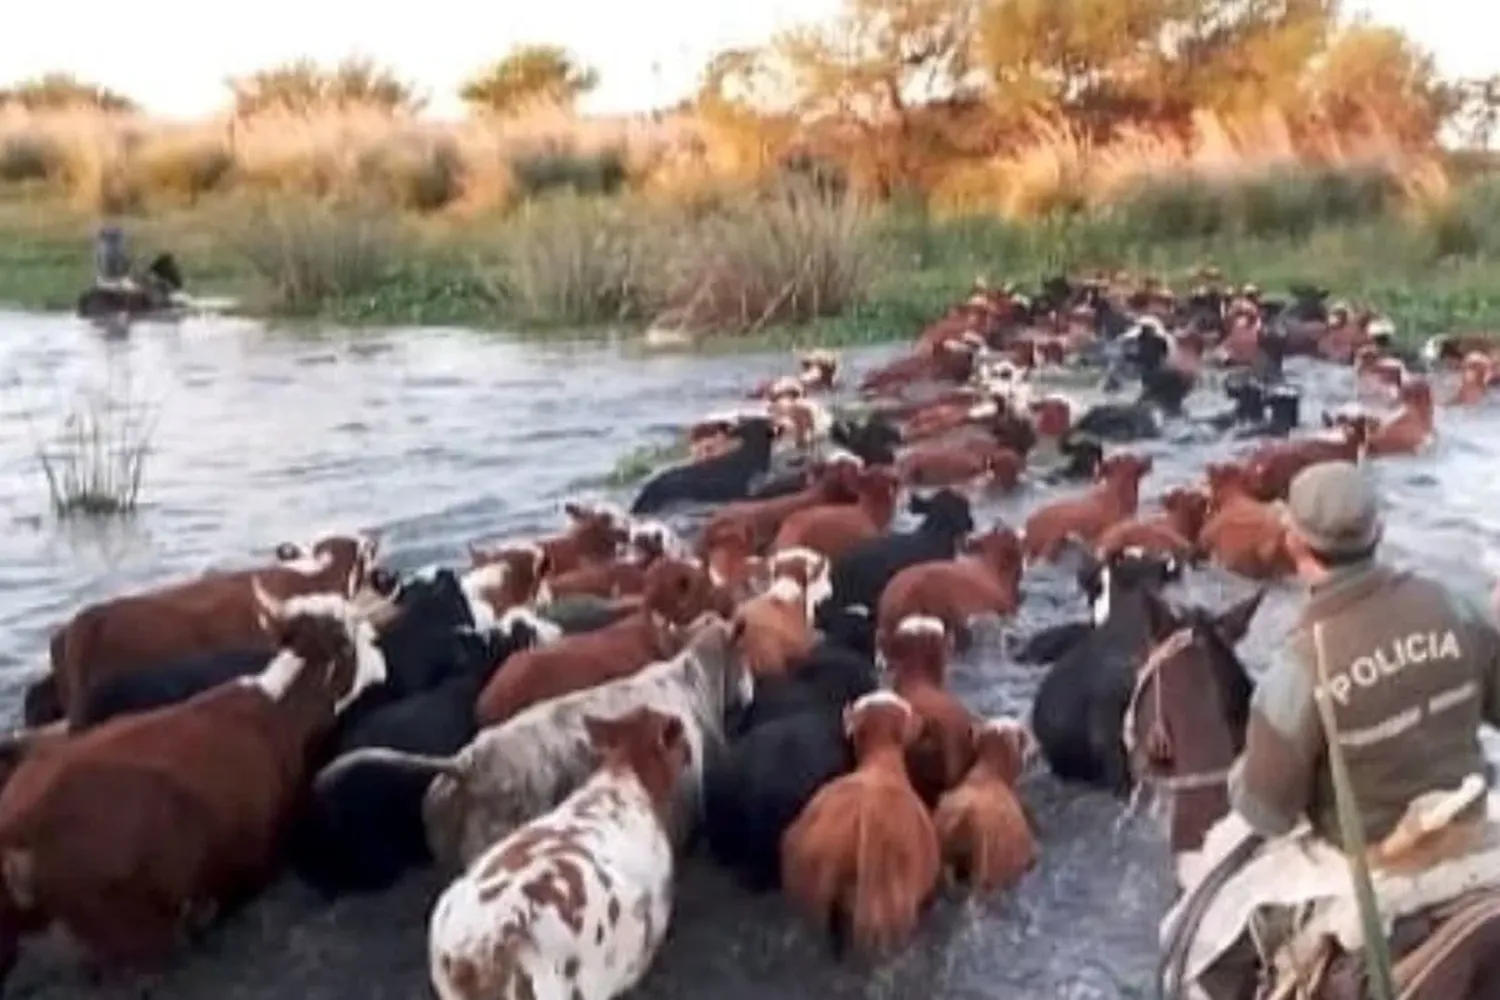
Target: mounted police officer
1409,671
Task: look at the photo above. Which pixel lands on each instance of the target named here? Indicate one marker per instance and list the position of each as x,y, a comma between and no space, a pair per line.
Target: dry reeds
307,252
116,163
790,255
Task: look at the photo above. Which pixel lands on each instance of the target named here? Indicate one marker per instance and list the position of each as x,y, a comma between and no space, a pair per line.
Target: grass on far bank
785,263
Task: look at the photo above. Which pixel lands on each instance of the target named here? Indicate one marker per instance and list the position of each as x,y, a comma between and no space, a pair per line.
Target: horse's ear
1161,618
1087,567
1234,622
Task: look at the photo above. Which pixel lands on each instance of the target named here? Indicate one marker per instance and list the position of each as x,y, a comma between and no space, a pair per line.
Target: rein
1174,784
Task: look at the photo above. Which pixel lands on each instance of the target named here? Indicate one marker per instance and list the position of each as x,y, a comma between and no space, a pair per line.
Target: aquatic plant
95,463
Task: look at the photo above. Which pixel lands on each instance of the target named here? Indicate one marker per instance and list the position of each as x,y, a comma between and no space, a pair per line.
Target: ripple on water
438,438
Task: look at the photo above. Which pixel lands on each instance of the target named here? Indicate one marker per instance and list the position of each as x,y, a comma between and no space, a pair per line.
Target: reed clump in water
95,464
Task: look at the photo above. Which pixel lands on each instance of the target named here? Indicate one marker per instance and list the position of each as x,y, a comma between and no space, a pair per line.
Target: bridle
1150,671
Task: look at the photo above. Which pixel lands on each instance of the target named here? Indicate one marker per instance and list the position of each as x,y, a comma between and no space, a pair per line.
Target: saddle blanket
1307,874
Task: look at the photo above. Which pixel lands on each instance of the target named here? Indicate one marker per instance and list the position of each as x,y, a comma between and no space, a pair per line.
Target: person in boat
1410,671
118,290
111,262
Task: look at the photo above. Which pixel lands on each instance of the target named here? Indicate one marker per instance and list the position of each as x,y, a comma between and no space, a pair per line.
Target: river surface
437,438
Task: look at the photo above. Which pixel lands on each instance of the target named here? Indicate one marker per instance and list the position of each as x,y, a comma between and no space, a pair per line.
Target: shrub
27,156
788,256
308,252
184,165
572,260
599,173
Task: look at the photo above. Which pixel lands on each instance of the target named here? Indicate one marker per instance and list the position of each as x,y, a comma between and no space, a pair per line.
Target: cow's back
516,771
187,798
139,631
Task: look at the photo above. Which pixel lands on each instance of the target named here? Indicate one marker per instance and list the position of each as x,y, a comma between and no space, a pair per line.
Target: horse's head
1185,723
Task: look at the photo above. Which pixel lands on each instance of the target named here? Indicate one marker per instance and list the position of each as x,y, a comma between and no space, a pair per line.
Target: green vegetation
792,267
802,193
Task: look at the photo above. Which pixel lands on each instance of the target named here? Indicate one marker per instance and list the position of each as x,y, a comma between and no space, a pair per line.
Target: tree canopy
303,86
529,75
58,91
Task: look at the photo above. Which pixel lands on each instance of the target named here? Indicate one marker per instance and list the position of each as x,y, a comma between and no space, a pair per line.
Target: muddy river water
439,437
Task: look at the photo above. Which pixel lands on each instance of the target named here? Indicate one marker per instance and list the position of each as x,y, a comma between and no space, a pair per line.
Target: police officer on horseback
1407,671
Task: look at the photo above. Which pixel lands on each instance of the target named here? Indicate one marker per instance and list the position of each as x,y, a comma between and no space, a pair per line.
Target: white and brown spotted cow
576,903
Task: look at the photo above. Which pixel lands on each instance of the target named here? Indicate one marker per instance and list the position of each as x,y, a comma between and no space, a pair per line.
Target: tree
57,91
872,77
530,75
1102,62
1478,114
302,87
1373,76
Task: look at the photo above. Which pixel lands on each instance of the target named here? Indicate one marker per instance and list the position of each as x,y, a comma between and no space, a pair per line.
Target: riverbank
790,267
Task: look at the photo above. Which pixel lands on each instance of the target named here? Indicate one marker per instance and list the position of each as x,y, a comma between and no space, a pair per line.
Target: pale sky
173,56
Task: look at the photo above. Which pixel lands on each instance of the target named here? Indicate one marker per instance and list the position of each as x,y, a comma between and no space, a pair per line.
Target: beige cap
1334,506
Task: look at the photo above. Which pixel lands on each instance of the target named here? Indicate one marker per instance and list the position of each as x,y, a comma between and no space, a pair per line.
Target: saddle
1436,952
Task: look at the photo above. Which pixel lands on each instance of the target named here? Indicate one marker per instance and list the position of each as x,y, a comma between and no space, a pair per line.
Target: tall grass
129,163
574,261
307,252
121,163
784,255
94,465
790,255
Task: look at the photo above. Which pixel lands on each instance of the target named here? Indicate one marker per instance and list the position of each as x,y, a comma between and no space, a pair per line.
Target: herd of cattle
555,721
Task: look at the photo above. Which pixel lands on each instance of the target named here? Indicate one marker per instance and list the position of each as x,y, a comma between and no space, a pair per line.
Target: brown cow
122,832
1174,532
987,580
933,421
622,576
835,483
862,857
502,578
916,659
1410,430
1476,375
1243,534
712,436
833,529
960,463
730,553
1116,497
593,536
1271,468
981,827
1051,415
677,593
209,614
1377,375
950,361
774,630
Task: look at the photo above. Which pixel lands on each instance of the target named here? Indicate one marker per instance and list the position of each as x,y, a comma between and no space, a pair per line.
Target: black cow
1091,682
361,827
792,743
720,479
860,575
419,645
